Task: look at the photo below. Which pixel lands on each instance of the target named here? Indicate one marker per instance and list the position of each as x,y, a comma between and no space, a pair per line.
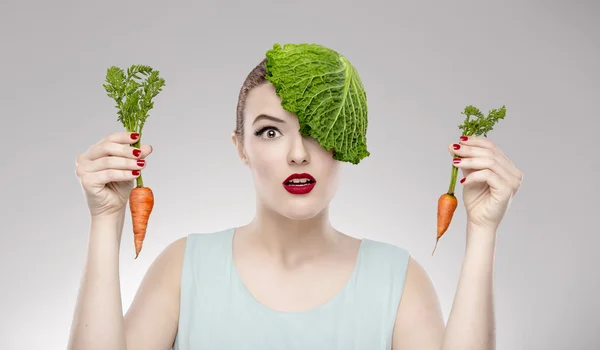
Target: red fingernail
464,138
135,172
456,146
462,180
141,162
137,152
456,160
135,136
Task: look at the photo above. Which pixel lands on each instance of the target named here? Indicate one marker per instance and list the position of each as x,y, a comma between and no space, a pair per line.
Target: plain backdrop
421,62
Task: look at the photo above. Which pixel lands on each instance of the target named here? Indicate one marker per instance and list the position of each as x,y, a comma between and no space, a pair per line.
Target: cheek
332,167
266,160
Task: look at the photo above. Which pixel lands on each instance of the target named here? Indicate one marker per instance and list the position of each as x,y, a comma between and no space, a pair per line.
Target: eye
267,132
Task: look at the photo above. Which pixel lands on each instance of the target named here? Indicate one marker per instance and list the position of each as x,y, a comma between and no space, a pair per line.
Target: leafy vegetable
324,90
133,95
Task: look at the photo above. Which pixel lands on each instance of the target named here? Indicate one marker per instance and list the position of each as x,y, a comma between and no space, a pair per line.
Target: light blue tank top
219,313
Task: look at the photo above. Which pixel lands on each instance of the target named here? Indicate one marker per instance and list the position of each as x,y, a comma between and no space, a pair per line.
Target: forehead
264,100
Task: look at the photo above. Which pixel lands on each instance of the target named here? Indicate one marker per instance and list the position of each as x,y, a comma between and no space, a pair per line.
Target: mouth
299,183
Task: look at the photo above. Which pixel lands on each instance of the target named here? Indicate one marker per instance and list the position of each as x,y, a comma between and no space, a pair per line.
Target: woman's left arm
491,181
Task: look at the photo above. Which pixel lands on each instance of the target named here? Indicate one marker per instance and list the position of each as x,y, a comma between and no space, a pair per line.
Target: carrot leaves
133,91
481,124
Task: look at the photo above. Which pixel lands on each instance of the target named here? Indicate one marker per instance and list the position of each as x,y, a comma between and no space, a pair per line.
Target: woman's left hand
490,181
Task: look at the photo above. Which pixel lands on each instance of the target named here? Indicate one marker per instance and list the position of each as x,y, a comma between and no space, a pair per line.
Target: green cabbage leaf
324,90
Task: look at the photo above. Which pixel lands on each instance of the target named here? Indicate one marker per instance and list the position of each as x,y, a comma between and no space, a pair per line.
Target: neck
292,238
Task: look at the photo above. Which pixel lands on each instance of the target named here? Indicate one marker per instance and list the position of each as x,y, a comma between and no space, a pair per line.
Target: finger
461,150
124,137
478,141
111,148
100,178
484,163
487,176
112,162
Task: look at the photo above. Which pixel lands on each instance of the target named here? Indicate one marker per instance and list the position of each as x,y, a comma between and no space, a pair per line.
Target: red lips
299,188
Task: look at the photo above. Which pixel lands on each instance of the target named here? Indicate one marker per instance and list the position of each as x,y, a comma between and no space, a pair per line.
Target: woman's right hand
107,172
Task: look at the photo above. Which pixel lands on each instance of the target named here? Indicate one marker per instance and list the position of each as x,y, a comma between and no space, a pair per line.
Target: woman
288,279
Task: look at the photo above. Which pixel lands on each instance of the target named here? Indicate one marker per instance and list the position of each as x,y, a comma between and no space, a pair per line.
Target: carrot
447,202
141,203
134,101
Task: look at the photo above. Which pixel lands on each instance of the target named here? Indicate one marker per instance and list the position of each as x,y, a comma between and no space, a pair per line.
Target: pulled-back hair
255,78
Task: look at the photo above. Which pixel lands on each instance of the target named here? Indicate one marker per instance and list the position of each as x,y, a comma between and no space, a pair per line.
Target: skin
302,259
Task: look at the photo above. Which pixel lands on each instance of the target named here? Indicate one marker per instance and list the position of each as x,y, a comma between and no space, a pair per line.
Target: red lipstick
299,183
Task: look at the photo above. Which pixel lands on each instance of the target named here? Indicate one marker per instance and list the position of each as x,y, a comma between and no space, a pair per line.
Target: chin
299,212
296,207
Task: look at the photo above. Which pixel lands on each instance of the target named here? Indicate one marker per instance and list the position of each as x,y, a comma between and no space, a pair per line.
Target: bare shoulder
173,254
167,265
419,321
152,319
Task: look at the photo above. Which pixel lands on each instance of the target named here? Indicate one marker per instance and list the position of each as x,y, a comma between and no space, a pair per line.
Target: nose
298,153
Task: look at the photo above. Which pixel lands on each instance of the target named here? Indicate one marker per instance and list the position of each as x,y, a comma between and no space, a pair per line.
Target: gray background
421,62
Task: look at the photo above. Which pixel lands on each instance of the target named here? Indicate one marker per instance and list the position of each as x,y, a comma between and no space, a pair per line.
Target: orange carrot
447,204
141,202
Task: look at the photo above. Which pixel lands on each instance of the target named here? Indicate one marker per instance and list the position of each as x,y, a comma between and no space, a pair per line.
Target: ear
239,148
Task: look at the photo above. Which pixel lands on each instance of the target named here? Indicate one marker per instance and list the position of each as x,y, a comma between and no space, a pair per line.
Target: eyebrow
268,117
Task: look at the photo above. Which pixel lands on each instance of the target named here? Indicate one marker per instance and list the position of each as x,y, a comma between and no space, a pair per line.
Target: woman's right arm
105,171
152,319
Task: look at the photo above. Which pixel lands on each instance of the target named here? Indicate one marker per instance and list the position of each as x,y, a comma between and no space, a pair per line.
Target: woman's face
275,150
